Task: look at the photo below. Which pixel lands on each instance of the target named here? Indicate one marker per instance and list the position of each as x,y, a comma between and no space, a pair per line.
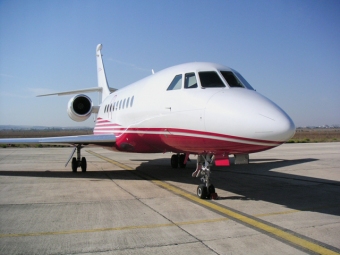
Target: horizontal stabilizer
80,139
72,92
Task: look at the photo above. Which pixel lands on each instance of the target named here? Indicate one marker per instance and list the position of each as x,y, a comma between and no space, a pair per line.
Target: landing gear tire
74,165
181,161
211,189
202,191
204,163
174,161
83,164
212,193
77,161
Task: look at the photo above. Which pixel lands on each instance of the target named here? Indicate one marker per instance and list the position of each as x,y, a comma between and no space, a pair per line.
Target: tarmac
286,201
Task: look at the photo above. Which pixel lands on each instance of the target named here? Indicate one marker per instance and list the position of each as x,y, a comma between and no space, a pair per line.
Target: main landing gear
179,160
206,189
77,161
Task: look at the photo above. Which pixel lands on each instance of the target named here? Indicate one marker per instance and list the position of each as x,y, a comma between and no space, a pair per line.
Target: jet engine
80,108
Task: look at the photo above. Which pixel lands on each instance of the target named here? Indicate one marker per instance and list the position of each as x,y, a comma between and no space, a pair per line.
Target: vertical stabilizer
102,82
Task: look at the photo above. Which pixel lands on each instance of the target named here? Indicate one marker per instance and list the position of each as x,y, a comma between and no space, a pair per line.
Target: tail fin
102,82
103,88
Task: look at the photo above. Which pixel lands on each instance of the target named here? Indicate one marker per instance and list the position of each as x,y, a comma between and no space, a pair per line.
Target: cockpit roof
196,66
200,67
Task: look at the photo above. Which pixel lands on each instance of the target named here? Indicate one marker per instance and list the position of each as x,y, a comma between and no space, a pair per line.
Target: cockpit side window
190,81
176,83
231,79
210,80
244,81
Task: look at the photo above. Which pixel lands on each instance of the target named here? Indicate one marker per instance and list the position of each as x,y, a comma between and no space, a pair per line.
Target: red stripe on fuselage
151,140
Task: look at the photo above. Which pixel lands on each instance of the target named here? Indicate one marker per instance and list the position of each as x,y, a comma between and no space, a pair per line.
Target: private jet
198,108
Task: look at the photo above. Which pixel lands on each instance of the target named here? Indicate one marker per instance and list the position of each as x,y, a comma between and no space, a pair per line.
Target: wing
79,139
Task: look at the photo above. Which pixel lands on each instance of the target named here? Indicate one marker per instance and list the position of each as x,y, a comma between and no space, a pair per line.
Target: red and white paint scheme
200,108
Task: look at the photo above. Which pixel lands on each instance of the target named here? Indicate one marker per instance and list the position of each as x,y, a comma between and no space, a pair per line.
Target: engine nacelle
80,108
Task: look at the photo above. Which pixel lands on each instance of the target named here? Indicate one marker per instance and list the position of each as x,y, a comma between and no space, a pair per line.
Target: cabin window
127,102
210,80
190,81
123,104
132,101
231,79
176,83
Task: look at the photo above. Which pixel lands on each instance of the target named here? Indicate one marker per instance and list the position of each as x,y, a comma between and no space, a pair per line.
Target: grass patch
305,135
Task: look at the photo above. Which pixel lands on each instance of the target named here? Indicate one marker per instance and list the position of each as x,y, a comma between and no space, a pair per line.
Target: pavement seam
135,248
143,178
12,152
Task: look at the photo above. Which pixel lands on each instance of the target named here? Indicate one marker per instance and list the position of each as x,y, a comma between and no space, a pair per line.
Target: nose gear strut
204,163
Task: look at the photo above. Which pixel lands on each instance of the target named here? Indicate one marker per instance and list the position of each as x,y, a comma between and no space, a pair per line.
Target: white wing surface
80,139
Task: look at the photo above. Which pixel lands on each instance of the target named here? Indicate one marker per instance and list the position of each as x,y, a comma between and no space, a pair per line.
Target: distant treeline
27,128
43,133
302,135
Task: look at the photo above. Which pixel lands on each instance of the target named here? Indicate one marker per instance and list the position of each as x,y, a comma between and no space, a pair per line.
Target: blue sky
288,51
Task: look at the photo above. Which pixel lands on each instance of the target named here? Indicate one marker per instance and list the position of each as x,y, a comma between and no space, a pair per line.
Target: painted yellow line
288,237
252,222
82,231
123,166
78,231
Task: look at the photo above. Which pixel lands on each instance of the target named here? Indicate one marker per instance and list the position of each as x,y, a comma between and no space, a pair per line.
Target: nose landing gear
204,163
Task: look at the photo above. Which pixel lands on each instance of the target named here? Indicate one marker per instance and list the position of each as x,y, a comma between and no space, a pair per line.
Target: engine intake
80,108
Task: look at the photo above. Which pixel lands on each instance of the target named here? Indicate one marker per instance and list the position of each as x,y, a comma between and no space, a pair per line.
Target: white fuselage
146,117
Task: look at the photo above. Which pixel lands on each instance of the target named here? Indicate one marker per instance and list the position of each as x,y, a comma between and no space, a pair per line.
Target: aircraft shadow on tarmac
256,181
259,181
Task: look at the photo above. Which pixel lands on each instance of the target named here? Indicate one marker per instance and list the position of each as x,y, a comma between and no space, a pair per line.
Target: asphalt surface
286,201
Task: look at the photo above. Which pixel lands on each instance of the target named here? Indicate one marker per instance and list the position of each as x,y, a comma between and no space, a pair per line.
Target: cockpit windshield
210,80
235,80
231,79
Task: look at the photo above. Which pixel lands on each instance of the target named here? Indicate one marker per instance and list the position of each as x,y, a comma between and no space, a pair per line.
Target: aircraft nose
248,114
276,123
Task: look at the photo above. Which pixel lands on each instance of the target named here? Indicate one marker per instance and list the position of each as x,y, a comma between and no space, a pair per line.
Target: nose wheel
206,189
